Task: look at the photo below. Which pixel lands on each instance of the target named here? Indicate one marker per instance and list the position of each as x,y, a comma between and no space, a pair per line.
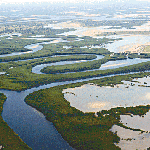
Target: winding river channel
30,124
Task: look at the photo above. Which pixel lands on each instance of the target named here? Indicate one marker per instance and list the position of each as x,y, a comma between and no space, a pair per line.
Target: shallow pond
108,65
36,47
131,140
136,121
32,47
127,42
37,68
92,98
29,123
122,63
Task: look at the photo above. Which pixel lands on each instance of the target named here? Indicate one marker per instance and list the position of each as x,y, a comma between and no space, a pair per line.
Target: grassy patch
96,64
147,48
16,44
19,74
81,130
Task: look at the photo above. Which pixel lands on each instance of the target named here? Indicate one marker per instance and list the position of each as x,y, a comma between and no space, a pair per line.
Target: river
30,124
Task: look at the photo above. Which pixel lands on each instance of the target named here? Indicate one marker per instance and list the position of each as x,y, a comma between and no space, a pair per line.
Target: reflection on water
137,122
37,46
131,41
92,98
108,65
37,68
2,73
131,140
122,63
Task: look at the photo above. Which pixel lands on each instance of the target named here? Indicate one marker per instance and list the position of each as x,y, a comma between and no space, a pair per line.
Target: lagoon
92,98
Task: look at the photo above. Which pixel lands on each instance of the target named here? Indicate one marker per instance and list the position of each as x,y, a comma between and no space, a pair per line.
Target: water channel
36,47
93,98
29,123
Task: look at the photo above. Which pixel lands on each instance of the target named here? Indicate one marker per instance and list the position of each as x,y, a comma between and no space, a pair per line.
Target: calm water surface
92,98
29,123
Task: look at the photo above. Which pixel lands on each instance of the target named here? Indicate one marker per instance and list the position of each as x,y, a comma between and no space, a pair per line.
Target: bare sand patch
38,15
147,96
134,48
97,31
130,15
114,65
28,18
82,14
93,32
35,46
55,41
143,11
68,24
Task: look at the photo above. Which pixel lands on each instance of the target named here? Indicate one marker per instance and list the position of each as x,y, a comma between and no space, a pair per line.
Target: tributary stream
30,124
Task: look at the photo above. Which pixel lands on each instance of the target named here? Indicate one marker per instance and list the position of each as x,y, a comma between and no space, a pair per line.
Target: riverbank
9,139
83,130
80,130
21,78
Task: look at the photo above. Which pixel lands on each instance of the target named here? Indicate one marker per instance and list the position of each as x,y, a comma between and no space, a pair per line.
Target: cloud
97,104
147,96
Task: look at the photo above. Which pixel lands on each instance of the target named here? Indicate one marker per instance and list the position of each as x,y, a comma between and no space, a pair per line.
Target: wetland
74,77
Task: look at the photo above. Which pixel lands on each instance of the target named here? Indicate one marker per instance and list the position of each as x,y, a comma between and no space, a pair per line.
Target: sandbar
114,65
35,46
135,48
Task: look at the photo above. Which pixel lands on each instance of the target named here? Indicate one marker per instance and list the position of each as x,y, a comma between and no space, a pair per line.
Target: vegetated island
84,130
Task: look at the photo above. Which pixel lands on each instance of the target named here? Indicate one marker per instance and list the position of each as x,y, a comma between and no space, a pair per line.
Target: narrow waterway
108,65
37,69
30,124
36,47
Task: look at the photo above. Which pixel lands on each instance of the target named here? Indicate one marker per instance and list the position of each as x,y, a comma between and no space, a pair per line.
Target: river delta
75,77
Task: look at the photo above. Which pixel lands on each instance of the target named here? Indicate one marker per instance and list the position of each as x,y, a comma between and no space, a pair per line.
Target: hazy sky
21,1
63,1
